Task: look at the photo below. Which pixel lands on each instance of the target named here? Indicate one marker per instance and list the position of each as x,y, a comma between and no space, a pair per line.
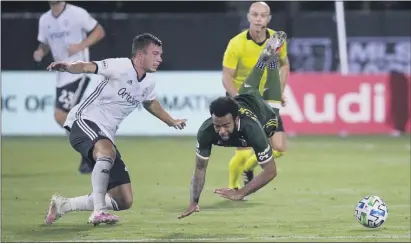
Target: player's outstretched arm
197,185
268,173
262,148
203,152
155,108
77,67
198,180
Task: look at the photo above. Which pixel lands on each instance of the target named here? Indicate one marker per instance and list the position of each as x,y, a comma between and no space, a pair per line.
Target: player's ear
269,18
248,17
139,54
237,122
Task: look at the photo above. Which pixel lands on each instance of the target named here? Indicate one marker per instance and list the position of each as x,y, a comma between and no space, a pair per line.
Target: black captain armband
95,72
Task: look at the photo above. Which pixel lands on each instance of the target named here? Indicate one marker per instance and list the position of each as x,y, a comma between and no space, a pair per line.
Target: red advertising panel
357,104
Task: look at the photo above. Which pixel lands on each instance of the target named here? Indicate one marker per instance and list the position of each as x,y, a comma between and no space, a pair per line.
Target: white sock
99,181
86,203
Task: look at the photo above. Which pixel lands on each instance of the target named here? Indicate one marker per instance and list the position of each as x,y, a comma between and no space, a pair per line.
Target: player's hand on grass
38,55
74,48
193,208
235,195
178,124
58,66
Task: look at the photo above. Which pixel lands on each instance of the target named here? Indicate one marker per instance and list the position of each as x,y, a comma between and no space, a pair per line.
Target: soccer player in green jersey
245,120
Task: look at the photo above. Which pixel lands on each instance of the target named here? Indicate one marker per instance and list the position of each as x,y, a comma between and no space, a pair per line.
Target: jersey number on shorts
66,98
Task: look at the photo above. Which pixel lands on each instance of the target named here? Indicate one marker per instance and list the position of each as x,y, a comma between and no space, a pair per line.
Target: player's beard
230,135
226,137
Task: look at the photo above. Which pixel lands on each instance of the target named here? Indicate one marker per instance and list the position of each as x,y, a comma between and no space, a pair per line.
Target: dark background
200,6
195,34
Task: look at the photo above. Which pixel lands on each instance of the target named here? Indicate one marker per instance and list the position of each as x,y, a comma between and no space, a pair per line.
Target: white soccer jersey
70,27
114,98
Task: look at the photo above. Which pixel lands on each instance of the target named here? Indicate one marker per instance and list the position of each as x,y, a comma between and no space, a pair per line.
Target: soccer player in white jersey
93,123
63,31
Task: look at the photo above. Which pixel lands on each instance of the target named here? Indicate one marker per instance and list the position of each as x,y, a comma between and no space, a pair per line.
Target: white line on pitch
245,238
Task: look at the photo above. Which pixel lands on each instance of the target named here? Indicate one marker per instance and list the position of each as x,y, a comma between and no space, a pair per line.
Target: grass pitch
320,180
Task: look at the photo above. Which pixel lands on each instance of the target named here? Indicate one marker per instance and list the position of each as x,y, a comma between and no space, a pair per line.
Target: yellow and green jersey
257,123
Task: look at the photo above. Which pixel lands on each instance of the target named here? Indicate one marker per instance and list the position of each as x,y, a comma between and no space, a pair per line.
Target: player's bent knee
122,194
104,148
127,197
127,203
280,148
124,203
278,144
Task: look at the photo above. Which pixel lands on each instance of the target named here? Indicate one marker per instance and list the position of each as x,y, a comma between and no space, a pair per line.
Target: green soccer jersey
258,122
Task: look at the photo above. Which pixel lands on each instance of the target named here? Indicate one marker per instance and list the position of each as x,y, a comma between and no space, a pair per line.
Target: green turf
320,180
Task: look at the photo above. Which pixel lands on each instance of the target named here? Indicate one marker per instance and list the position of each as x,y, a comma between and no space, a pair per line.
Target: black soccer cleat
248,176
85,168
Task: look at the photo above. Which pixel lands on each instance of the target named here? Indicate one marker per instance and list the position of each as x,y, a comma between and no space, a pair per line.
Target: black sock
260,64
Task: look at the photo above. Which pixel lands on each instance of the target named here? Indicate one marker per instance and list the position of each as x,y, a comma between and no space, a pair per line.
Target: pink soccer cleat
273,46
99,217
55,212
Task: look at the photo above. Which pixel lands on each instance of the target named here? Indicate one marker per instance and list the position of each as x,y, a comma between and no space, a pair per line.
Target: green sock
272,88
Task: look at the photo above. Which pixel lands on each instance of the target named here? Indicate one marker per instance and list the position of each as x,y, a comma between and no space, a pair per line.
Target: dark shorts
83,135
280,127
70,95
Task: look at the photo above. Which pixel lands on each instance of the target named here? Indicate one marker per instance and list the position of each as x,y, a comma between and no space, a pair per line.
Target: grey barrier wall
377,41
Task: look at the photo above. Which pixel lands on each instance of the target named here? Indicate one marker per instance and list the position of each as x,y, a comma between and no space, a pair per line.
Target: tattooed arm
198,180
197,185
203,152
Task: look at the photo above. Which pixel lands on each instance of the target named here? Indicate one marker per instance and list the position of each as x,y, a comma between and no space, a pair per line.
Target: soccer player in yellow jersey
241,55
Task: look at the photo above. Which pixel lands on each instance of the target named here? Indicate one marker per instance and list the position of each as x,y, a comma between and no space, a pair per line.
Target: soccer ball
371,212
